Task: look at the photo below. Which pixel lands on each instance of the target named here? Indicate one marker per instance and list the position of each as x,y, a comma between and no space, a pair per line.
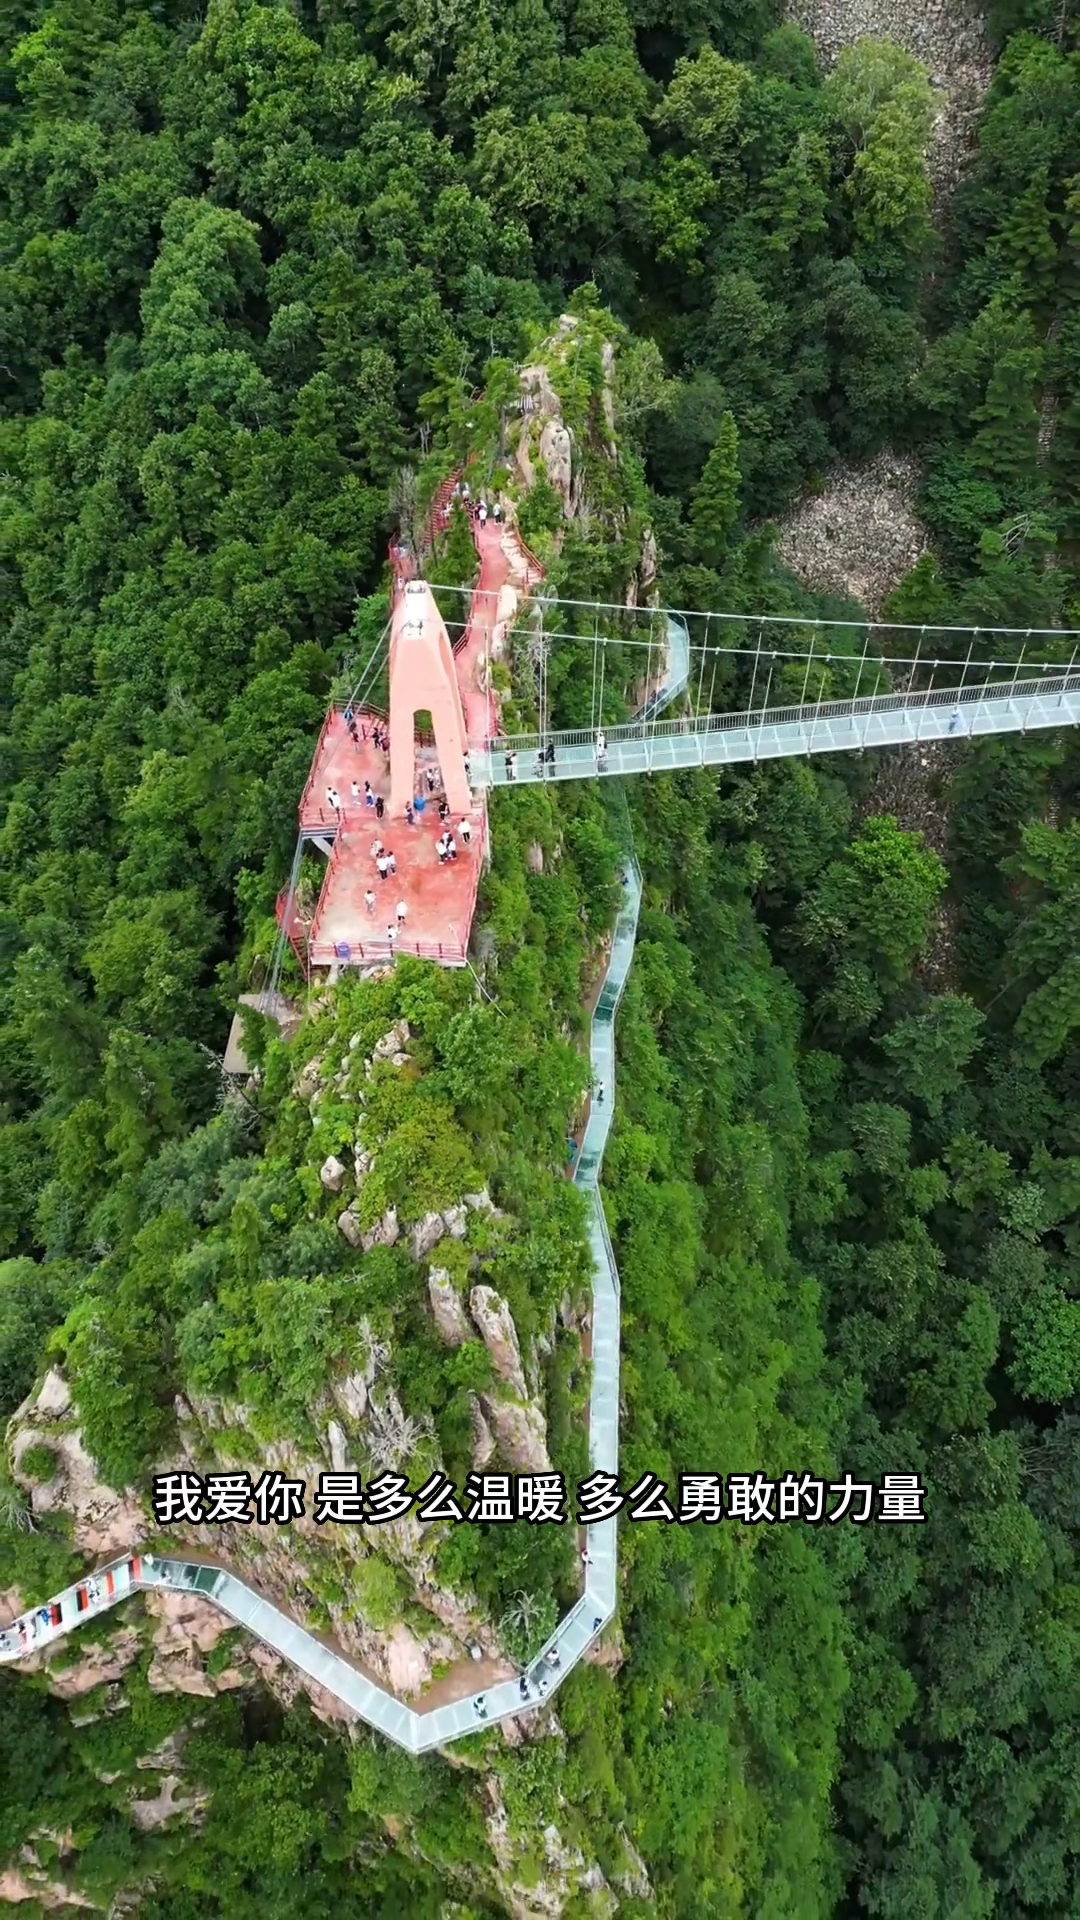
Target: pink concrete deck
473,654
439,900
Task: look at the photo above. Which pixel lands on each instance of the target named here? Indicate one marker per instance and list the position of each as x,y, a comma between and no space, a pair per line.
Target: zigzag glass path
417,1731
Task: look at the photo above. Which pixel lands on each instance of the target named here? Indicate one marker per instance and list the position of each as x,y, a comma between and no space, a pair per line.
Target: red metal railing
322,953
296,931
331,714
532,564
403,559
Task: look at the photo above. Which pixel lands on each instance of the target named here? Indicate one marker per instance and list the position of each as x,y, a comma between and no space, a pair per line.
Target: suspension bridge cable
811,620
278,955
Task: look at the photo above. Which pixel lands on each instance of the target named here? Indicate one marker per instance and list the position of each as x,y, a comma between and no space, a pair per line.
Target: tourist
481,512
432,778
409,818
444,810
355,791
331,798
466,832
600,1093
451,847
380,806
390,861
376,849
550,753
391,934
511,766
369,797
401,913
369,901
383,866
497,513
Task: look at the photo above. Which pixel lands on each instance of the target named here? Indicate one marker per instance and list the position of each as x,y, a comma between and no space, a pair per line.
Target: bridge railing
1049,683
323,953
305,797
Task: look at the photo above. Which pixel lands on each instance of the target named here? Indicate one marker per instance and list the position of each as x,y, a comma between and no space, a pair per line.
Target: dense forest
256,261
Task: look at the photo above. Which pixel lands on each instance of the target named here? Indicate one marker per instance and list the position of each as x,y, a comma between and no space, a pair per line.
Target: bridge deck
786,732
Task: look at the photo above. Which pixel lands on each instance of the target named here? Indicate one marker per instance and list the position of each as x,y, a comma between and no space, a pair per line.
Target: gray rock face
426,1234
556,451
448,1308
309,1078
351,1395
483,1438
499,1334
456,1222
335,1440
385,1232
332,1173
54,1396
479,1202
392,1042
349,1225
647,565
520,1431
861,535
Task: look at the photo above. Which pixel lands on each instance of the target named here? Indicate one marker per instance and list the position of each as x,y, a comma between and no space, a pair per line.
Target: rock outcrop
521,1432
103,1522
499,1334
149,1815
448,1308
16,1886
332,1173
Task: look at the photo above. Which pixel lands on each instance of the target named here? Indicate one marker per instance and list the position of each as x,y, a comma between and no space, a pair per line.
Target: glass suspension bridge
756,688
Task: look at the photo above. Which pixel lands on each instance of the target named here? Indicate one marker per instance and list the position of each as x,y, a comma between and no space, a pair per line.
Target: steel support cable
278,955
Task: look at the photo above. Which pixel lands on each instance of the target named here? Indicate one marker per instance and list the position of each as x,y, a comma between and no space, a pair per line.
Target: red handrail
321,952
532,564
330,716
294,932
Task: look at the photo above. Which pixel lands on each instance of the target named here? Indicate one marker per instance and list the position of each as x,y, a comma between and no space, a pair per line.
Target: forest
256,262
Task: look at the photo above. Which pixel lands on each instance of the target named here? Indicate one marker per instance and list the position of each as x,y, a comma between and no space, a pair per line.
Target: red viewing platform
439,898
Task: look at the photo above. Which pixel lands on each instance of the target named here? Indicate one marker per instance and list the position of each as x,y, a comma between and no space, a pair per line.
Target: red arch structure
453,683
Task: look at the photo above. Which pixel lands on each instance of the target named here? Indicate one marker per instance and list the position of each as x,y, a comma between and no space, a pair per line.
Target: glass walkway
647,745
